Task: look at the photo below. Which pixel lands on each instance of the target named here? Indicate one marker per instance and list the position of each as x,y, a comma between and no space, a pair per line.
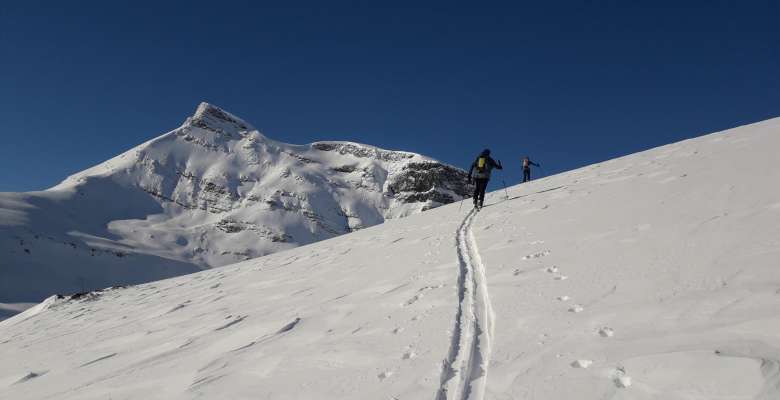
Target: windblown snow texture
652,276
211,192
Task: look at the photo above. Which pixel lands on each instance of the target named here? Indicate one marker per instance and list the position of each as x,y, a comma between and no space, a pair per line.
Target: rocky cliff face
211,192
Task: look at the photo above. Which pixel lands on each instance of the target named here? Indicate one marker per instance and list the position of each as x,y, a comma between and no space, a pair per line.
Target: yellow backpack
481,164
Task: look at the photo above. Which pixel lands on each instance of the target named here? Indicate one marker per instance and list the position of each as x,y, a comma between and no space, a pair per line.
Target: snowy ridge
211,192
651,276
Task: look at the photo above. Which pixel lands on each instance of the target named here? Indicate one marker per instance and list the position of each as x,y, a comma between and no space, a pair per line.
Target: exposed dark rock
345,168
230,226
301,159
362,151
208,113
429,181
91,295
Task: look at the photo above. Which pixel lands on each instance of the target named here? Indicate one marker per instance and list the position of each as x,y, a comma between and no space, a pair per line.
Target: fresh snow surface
212,192
671,254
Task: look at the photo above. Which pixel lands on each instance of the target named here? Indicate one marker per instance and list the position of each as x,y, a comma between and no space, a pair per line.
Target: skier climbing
481,168
527,163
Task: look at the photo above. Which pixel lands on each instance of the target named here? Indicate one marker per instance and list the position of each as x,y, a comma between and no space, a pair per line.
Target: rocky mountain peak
208,193
212,118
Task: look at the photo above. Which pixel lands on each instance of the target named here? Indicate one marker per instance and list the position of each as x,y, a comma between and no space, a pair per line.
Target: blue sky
568,83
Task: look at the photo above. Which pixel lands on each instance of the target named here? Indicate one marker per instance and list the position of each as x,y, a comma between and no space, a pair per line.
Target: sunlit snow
671,256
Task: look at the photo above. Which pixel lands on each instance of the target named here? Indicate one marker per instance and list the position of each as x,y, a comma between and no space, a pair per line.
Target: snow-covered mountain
211,192
652,276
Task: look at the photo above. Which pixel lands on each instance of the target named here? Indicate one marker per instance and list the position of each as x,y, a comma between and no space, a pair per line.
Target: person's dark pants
526,174
479,191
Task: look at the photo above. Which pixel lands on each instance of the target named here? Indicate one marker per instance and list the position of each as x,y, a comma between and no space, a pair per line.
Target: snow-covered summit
651,276
211,192
213,118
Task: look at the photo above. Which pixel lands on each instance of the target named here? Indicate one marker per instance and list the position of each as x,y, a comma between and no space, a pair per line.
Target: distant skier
527,163
481,168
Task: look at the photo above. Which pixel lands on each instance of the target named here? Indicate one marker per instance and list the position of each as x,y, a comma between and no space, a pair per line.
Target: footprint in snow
561,277
563,298
581,364
384,375
606,332
576,308
397,330
409,355
414,299
552,269
620,379
537,255
420,294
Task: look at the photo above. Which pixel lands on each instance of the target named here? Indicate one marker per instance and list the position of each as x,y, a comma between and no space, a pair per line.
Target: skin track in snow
465,369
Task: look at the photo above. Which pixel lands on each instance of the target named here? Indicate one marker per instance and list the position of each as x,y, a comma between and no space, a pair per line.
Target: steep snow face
653,276
211,192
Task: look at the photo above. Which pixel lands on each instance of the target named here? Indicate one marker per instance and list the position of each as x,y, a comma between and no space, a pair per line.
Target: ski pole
505,191
464,197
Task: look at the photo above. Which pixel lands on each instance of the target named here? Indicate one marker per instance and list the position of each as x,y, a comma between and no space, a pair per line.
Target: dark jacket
527,163
489,165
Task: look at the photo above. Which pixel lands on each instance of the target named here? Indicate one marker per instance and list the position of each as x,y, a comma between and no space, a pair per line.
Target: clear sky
567,82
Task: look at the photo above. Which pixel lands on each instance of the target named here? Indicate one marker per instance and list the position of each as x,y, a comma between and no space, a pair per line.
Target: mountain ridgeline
211,192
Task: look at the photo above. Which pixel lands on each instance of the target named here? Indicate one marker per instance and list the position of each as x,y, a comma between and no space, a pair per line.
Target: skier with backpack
481,167
527,163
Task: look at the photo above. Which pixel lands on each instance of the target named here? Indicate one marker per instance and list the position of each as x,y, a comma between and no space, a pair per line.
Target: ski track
464,372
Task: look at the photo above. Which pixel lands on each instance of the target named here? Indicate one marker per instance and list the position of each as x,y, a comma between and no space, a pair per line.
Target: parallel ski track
464,372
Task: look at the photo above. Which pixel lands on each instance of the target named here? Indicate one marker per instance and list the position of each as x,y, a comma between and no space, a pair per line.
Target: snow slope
211,192
652,276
